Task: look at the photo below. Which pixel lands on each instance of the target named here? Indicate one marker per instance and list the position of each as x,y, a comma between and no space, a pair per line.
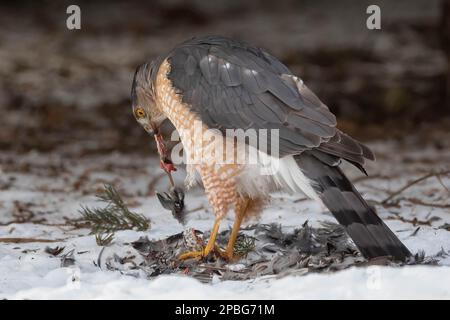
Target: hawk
226,84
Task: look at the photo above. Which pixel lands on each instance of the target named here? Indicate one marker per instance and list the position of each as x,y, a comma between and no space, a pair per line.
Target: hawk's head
145,109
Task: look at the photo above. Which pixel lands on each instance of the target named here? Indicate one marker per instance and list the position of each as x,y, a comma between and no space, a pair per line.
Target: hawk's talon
224,254
205,250
227,256
194,255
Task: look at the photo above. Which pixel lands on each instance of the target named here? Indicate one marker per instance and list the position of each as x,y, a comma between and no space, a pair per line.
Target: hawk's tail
372,237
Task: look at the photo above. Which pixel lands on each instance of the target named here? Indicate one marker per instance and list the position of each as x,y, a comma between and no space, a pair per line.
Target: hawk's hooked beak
152,129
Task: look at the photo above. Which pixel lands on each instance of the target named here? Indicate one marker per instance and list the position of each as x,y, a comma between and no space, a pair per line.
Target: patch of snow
419,282
27,271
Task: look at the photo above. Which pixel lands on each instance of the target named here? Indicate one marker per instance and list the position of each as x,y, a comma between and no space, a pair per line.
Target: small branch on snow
28,240
414,221
442,183
426,204
414,182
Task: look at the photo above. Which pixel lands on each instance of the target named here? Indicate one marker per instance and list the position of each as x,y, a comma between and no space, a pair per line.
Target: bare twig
426,204
414,221
416,201
411,183
27,240
442,183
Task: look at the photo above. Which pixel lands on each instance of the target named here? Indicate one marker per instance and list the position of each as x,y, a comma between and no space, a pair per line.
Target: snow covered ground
39,192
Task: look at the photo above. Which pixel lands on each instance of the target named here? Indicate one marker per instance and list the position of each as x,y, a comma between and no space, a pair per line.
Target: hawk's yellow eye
140,113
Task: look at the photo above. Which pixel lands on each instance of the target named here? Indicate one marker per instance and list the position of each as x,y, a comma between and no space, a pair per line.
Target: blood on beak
149,130
165,162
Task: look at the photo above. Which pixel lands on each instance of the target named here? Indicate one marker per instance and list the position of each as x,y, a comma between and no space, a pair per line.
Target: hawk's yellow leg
206,250
241,210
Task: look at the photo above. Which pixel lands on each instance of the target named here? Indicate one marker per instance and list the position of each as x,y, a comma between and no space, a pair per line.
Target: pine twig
244,245
115,216
104,240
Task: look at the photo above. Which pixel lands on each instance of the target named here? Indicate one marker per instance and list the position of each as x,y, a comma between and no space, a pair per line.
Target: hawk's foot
194,255
223,254
227,255
204,252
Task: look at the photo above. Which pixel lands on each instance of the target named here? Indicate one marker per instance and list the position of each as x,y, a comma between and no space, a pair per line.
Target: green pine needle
104,240
115,216
244,245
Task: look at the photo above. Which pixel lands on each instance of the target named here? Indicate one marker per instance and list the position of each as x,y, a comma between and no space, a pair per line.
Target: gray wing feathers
233,85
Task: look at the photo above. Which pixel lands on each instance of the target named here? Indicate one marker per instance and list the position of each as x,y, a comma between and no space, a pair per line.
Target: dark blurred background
68,91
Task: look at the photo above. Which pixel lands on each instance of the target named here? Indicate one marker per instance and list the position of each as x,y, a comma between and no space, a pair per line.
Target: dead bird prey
265,250
174,201
226,84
